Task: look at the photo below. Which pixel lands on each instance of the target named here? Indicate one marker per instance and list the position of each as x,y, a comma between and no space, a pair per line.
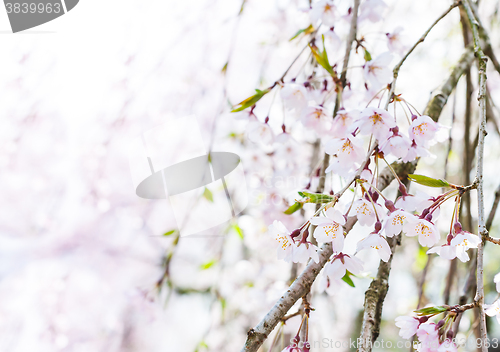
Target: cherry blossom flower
336,269
366,174
375,121
394,223
303,251
408,326
446,251
447,346
428,234
325,11
316,118
413,202
377,242
340,168
260,133
289,151
397,144
457,246
282,236
294,96
348,150
422,129
333,38
364,210
428,334
377,71
394,41
462,242
288,249
416,151
372,10
329,228
496,280
493,310
343,122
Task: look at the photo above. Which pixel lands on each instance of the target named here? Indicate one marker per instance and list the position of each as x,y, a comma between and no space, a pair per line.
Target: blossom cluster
428,334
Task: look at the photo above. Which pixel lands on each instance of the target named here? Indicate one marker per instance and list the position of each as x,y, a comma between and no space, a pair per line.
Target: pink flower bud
389,204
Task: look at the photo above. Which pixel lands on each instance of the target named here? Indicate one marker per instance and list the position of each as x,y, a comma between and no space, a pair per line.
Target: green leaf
208,264
207,194
368,56
251,101
296,206
322,58
238,230
428,181
316,197
431,310
307,30
168,233
347,279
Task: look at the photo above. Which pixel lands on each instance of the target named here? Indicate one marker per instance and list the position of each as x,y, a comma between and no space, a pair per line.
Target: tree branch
482,231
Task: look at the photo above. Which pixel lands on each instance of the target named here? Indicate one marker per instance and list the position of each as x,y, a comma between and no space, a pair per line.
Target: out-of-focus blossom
377,242
325,11
395,42
260,133
288,151
408,326
343,122
372,10
329,228
316,118
493,310
377,71
294,96
333,38
340,168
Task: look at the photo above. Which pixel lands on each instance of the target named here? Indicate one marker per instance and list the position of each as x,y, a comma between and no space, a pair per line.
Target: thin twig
420,40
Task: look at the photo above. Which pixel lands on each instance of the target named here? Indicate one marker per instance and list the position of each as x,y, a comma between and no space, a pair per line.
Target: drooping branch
408,53
343,80
303,283
482,231
301,286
